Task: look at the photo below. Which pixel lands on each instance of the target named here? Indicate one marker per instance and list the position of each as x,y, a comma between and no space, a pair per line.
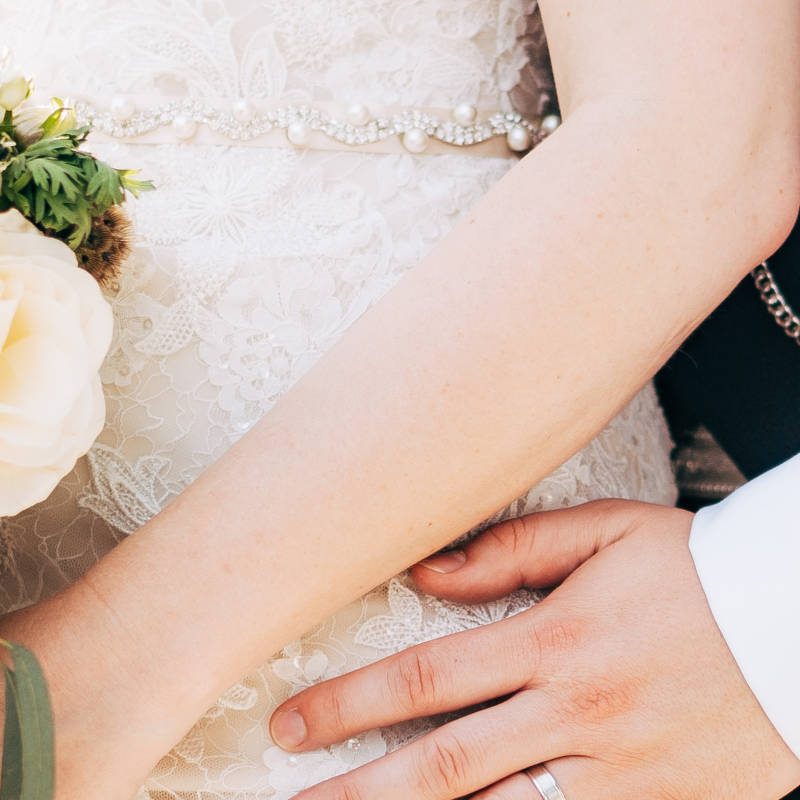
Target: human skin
620,680
498,356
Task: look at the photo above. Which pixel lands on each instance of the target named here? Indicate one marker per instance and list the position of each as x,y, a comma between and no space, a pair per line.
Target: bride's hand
619,680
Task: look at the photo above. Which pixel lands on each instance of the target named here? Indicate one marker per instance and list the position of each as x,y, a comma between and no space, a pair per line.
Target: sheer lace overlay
250,263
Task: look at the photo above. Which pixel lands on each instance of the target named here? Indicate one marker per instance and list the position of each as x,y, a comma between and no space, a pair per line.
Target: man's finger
576,777
442,675
538,550
459,758
515,787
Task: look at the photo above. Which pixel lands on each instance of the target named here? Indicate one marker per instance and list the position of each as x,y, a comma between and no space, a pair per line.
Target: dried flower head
107,246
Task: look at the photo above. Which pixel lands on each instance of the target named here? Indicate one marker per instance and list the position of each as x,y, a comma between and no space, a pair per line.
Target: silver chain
776,303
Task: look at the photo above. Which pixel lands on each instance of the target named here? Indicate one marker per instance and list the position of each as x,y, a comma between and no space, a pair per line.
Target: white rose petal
55,329
13,222
8,308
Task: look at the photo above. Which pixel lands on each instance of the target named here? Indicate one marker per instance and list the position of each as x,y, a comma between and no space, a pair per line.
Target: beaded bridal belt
413,130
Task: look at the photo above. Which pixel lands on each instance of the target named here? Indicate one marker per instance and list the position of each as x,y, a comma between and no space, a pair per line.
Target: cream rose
55,329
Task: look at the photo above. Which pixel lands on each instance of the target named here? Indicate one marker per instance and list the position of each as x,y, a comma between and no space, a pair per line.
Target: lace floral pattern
413,52
243,275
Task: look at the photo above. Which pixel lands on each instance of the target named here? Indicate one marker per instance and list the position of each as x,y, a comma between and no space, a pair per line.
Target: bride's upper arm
718,80
691,51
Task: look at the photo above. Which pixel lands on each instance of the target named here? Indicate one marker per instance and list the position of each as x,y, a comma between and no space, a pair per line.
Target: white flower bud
14,86
29,119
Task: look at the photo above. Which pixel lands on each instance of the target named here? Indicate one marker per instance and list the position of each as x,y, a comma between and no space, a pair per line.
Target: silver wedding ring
545,783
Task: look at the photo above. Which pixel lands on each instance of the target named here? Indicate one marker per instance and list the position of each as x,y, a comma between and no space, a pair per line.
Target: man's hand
620,680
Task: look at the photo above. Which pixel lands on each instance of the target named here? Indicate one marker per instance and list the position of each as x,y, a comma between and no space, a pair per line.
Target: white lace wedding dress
251,259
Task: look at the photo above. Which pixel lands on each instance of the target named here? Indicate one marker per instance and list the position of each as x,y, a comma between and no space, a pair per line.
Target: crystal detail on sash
237,126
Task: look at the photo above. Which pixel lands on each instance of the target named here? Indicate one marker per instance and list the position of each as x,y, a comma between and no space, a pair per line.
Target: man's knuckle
415,680
443,766
517,533
605,505
543,641
510,537
612,519
555,636
494,534
334,710
595,701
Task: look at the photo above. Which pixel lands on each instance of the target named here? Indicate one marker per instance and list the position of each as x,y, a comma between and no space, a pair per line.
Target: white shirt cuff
747,553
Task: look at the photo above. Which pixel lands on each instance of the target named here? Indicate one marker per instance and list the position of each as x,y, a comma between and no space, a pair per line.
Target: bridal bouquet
59,210
62,233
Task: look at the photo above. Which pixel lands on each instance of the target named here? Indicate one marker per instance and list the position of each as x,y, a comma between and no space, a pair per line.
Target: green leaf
104,188
39,210
83,227
35,721
64,142
59,117
22,181
7,123
134,185
23,204
54,176
11,776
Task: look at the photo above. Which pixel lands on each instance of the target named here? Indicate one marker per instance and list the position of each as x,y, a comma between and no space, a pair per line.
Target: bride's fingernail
288,729
445,562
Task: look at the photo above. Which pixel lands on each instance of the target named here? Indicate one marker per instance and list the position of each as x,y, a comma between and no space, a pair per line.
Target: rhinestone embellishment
356,127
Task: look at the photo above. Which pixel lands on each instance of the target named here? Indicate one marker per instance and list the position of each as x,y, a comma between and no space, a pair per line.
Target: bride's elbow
777,202
767,184
739,174
744,167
